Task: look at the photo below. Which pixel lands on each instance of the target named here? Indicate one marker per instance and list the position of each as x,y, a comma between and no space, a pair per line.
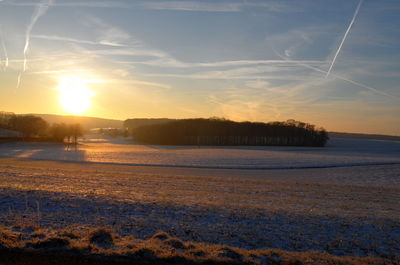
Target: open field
338,153
342,209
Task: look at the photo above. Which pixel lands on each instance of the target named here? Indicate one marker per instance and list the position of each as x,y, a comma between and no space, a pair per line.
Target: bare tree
5,118
29,125
75,131
59,131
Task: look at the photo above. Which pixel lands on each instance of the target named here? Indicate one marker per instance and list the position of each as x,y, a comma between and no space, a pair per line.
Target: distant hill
86,122
363,136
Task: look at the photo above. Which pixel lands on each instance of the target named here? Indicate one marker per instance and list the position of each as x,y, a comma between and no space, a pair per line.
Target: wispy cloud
130,51
223,76
257,84
67,39
138,82
264,105
123,43
226,6
166,60
4,48
107,34
40,10
196,6
248,62
59,3
246,70
344,37
58,72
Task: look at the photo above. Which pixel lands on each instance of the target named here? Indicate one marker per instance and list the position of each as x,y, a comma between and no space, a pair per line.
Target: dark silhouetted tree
75,131
5,118
59,131
29,125
217,131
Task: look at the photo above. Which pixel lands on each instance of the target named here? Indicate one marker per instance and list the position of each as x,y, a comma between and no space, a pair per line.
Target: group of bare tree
60,132
34,127
217,131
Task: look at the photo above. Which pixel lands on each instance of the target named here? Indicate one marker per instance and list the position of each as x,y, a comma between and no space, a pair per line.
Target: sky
333,63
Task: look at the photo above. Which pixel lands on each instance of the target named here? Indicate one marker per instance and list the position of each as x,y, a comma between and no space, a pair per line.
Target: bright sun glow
75,94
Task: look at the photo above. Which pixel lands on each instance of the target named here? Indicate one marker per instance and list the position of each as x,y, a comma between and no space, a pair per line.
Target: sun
74,94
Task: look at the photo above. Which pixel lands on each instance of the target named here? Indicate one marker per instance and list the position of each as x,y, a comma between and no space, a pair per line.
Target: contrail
344,37
347,80
40,10
19,79
339,77
4,48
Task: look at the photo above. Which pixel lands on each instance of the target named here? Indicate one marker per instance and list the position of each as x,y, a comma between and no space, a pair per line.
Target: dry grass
103,247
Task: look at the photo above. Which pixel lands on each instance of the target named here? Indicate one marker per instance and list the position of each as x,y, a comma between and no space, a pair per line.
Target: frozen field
338,153
314,199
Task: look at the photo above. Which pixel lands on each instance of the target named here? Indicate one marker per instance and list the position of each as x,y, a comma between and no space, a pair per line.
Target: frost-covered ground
252,212
346,210
339,152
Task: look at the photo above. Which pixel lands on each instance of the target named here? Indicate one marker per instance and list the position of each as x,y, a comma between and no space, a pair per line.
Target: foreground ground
327,209
99,246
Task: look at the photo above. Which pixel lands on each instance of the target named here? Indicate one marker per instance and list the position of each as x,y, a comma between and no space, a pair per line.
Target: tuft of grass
175,243
101,238
161,236
54,243
9,239
227,252
197,253
68,235
144,254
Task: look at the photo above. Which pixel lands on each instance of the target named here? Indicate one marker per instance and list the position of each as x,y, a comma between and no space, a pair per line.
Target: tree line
217,131
34,127
132,124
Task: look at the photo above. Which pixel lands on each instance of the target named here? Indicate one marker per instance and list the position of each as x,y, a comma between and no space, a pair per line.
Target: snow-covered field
339,152
343,199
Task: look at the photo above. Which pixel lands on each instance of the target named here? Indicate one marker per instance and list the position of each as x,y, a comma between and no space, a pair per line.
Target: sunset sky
242,60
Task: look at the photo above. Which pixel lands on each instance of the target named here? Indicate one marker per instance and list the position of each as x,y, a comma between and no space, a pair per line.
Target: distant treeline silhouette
36,128
217,131
132,124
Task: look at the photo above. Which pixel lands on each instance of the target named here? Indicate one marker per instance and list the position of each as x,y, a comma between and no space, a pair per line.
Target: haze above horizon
331,63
